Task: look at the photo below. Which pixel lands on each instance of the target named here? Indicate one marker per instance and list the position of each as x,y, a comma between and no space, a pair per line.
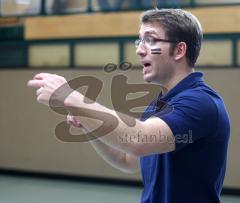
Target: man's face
157,68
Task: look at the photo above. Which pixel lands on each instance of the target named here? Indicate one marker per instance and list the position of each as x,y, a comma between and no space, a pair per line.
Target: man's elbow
138,150
129,170
148,149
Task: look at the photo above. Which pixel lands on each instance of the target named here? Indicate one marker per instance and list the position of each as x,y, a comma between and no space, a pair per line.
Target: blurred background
73,38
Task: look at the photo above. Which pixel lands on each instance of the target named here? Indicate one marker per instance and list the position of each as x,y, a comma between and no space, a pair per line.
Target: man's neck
176,79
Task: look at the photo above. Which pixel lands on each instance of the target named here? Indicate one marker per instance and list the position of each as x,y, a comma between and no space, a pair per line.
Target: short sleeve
192,117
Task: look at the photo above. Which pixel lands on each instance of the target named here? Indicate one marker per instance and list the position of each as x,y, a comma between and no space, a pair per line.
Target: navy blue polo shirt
195,170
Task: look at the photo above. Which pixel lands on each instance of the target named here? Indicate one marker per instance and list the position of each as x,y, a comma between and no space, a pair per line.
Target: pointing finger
41,76
35,83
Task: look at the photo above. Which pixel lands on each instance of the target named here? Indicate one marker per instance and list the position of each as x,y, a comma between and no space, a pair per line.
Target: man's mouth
146,66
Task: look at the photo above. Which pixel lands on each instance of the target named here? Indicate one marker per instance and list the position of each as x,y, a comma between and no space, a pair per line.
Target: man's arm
118,159
144,138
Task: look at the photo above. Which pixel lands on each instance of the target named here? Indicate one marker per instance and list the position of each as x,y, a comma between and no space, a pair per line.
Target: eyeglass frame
139,41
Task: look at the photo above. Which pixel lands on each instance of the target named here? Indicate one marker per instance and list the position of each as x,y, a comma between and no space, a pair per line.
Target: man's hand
51,89
73,121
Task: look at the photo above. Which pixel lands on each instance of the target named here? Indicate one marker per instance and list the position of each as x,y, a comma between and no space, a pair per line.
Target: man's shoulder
201,94
202,101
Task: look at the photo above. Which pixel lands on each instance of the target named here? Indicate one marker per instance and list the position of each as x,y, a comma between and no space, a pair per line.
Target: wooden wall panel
80,26
213,19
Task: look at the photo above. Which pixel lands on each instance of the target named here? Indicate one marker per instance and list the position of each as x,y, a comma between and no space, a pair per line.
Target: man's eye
151,41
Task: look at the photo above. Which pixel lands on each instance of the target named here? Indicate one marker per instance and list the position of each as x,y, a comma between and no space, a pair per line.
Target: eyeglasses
150,41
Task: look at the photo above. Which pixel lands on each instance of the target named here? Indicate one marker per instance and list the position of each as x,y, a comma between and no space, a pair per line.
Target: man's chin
151,80
148,78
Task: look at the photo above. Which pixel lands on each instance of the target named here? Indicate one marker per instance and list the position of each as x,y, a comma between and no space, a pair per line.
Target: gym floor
22,189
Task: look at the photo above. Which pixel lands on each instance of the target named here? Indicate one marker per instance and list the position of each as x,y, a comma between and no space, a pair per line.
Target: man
187,161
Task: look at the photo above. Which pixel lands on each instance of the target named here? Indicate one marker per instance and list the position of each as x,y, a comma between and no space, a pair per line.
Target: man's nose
141,50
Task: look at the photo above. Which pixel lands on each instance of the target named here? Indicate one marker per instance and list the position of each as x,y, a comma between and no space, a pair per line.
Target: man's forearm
77,107
117,133
118,159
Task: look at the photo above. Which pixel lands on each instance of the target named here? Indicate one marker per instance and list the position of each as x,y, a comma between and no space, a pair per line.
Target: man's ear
180,51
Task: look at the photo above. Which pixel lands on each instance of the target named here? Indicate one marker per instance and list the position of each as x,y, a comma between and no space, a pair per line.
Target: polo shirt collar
184,84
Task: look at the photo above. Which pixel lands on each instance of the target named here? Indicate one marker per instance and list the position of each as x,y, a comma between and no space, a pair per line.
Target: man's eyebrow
149,32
